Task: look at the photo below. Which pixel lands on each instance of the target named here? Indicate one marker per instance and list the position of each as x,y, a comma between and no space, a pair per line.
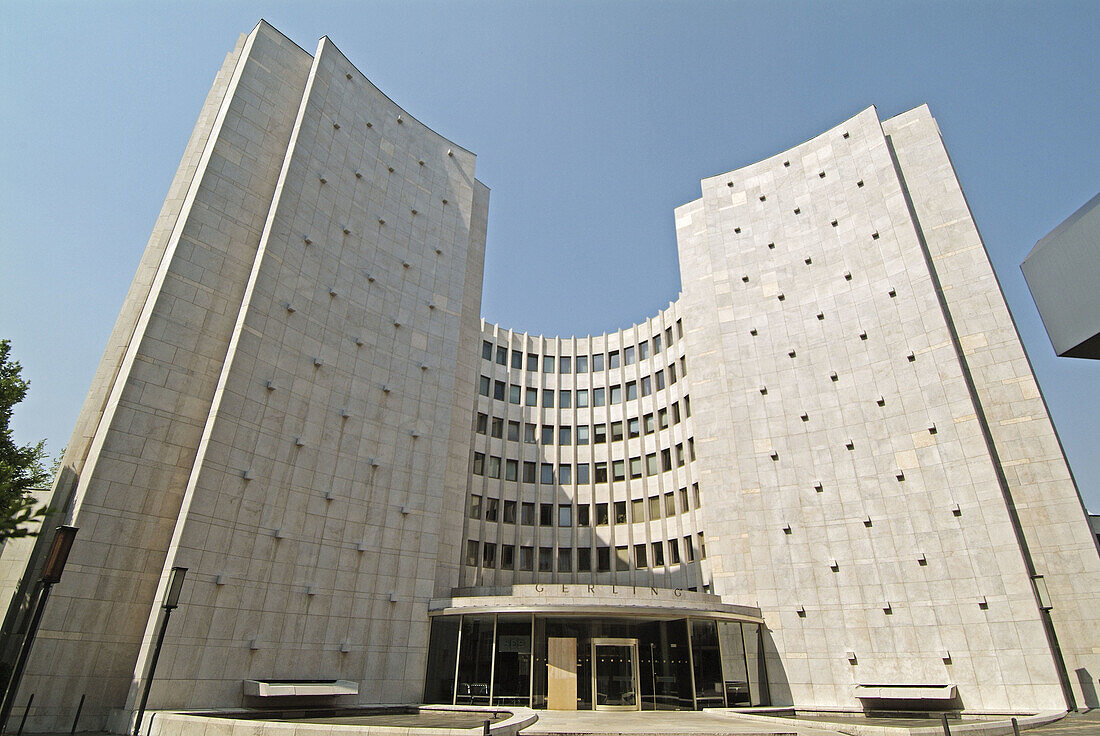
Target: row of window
513,393
657,507
484,554
596,433
567,364
585,473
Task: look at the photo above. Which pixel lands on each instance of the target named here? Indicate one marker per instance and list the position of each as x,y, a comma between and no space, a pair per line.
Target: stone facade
834,429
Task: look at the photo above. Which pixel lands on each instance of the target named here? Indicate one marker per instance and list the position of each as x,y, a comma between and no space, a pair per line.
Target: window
582,434
673,552
517,359
547,434
565,399
668,336
528,472
628,355
633,428
687,406
547,474
486,350
616,394
662,418
482,423
479,463
582,398
599,434
565,474
653,505
546,559
582,364
651,465
483,386
489,555
618,470
635,467
532,361
616,431
502,355
658,554
683,365
507,556
565,364
647,422
675,413
546,514
583,512
492,506
679,329
565,435
471,553
684,499
702,547
622,558
656,344
475,507
695,493
601,472
689,549
565,514
526,558
498,426
597,362
548,398
532,397
631,390
498,390
640,560
565,559
548,364
510,511
670,504
598,397
601,514
613,359
647,386
637,510
513,431
584,559
603,559
513,394
620,512
511,469
643,350
528,432
666,459
494,466
691,449
527,514
659,376
679,455
672,373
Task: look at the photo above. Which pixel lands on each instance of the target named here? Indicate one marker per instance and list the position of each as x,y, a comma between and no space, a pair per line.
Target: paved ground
568,723
1075,724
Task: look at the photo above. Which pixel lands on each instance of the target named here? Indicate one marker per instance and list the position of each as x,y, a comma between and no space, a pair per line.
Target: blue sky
591,122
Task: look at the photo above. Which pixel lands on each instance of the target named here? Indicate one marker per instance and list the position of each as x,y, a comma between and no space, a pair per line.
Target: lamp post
171,601
51,574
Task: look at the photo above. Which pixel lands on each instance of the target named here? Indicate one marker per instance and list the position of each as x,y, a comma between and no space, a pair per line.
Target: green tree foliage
21,468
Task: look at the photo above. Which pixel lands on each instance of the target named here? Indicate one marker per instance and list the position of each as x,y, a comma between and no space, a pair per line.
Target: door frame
632,644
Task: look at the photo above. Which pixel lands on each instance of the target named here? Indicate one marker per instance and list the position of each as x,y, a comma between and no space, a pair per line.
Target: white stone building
827,466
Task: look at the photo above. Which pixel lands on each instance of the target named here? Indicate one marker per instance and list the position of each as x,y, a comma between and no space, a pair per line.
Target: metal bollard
485,729
1015,727
946,728
77,716
25,712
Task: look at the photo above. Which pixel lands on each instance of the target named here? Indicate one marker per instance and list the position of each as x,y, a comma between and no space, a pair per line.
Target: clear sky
591,122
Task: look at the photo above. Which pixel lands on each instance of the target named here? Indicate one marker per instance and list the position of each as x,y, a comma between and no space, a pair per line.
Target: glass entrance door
615,674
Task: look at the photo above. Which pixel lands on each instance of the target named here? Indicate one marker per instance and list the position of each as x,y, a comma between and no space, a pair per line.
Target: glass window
584,559
633,427
683,365
513,394
616,431
654,507
658,554
582,434
498,427
601,514
598,397
695,489
656,344
548,364
613,359
479,463
471,552
635,467
582,473
616,394
691,448
517,359
679,329
547,476
494,466
662,418
668,336
513,431
628,355
672,373
603,559
547,434
546,559
565,435
620,512
532,397
499,388
666,459
526,558
684,499
532,361
702,547
565,514
597,362
601,472
489,555
483,386
502,355
659,376
582,398
546,514
647,422
528,472
687,406
565,474
622,558
565,364
548,398
510,510
565,398
486,350
582,364
651,464
631,390
647,385
507,556
637,510
643,350
689,549
527,514
528,432
674,552
679,455
618,470
475,507
511,469
599,434
583,511
565,559
670,504
482,423
640,560
675,413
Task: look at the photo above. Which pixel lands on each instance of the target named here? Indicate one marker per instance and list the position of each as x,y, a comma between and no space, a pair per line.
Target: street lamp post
51,574
171,601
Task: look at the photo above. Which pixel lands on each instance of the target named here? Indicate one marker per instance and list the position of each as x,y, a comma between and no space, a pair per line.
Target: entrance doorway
615,674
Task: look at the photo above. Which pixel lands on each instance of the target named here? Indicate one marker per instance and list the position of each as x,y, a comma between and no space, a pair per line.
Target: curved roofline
486,323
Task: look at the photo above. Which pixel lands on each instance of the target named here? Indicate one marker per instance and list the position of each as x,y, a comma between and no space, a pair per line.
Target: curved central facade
824,476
